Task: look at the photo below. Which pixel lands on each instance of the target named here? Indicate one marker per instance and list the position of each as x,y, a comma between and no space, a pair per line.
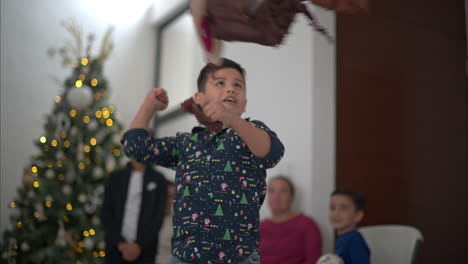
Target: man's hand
130,250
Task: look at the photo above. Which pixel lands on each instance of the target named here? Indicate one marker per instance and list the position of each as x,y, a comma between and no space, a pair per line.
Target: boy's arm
138,145
260,142
155,100
358,251
257,140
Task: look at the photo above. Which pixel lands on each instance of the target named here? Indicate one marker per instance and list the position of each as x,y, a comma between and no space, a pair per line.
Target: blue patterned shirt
220,187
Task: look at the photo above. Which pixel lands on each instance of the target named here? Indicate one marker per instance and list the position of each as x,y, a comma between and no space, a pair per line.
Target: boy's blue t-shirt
352,248
220,186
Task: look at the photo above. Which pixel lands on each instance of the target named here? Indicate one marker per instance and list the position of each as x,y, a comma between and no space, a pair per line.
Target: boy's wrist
235,122
148,108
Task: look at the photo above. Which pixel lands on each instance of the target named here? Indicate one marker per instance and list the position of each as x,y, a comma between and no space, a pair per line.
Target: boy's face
280,198
343,214
226,86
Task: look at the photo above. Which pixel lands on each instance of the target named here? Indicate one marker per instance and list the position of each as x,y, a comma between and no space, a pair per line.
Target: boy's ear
359,216
198,97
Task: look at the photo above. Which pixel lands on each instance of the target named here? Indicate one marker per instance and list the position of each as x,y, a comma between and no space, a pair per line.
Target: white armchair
393,244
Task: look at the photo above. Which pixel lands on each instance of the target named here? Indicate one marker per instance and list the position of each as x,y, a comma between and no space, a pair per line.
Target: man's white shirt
132,206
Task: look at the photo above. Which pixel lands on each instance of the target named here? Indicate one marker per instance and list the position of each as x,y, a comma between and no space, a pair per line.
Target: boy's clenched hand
156,99
216,111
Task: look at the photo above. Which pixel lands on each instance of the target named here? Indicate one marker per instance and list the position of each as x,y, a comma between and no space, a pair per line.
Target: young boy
216,213
346,211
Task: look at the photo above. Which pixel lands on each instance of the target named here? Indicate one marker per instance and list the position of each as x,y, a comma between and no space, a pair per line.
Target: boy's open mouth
230,100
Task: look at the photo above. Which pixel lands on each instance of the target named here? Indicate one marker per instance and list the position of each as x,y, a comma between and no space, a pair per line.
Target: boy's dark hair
210,68
292,189
357,198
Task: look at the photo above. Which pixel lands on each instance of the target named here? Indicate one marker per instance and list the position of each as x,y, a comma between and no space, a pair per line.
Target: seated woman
287,237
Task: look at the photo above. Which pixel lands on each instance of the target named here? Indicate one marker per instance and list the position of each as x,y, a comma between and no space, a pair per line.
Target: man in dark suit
132,214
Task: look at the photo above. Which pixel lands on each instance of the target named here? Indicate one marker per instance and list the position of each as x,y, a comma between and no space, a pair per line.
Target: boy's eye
238,85
220,83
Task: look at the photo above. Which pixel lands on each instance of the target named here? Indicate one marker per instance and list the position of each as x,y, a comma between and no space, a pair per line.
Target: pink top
296,241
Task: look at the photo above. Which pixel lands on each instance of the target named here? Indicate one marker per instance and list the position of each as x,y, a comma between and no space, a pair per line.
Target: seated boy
346,211
220,175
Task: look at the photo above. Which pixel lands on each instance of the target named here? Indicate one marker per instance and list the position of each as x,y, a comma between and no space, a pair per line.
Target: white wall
28,29
292,89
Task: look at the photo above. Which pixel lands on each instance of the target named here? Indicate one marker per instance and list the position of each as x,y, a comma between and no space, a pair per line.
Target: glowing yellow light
54,143
34,169
19,224
116,152
59,163
109,122
48,204
79,250
66,219
36,184
98,114
74,64
36,214
85,233
82,77
50,164
93,141
12,205
61,177
111,109
94,82
95,254
58,99
102,254
43,139
69,206
86,119
84,61
81,165
73,113
105,112
15,246
66,144
98,148
92,232
63,134
81,244
86,149
78,83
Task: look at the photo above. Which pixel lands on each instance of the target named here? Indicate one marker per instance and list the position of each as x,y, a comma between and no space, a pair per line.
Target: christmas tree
56,214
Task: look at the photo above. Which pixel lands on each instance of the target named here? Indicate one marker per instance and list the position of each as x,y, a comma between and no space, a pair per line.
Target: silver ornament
80,97
50,174
82,198
88,243
66,189
98,173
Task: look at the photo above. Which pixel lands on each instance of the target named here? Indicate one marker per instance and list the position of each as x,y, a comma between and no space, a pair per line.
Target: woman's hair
286,179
